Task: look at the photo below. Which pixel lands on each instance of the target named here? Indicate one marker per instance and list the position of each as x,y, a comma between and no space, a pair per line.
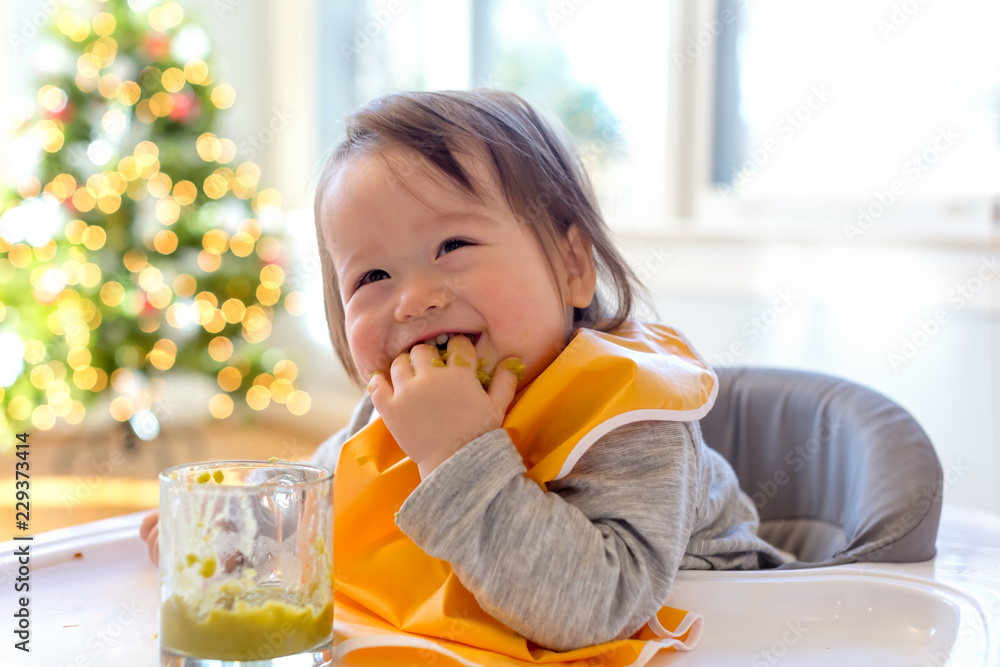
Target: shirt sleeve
590,561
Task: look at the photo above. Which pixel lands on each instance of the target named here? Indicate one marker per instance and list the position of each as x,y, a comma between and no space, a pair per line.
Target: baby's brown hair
541,177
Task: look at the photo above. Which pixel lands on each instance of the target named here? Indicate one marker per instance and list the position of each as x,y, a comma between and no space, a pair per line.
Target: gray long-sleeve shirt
593,559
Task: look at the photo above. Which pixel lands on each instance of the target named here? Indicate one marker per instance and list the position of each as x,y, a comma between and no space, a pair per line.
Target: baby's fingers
149,522
503,386
153,544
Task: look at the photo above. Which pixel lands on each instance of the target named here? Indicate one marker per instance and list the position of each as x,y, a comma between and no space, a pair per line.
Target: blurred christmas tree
133,243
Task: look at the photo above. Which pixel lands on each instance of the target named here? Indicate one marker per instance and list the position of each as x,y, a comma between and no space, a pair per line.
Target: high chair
839,473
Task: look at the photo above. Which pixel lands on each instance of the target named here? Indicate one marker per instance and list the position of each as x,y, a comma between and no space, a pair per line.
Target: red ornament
157,47
64,115
186,107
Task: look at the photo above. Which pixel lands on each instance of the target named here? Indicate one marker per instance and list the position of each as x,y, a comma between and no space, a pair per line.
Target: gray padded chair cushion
838,472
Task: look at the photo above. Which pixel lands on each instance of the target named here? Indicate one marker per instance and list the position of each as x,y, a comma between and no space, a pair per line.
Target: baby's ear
581,276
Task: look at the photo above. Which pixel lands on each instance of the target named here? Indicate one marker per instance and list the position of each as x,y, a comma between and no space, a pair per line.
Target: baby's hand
150,532
433,408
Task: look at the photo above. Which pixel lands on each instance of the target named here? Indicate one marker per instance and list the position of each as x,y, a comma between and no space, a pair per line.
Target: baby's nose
420,296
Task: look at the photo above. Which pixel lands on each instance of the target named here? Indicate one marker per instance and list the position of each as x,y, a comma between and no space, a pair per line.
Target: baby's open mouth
441,340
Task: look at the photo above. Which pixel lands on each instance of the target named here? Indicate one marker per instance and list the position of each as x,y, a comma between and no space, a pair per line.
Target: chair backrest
838,472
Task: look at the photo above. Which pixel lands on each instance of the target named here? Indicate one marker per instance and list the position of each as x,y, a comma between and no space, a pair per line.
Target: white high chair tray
93,602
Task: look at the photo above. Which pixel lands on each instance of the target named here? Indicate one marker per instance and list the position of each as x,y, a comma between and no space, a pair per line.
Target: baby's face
411,269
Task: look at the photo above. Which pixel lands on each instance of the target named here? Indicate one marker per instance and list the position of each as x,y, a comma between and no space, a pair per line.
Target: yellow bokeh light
185,192
208,298
228,151
143,112
108,86
168,210
216,323
94,237
272,276
129,168
41,376
76,413
250,227
163,354
88,65
104,48
63,186
221,406
109,203
185,285
28,187
104,24
215,186
286,370
34,352
247,174
19,408
46,251
258,397
215,241
19,255
50,135
229,378
196,72
78,358
160,298
233,309
150,278
268,297
241,244
128,93
173,80
161,104
112,293
209,262
121,409
264,199
114,122
220,348
134,260
83,201
146,148
43,417
295,303
298,402
52,98
223,96
85,378
208,146
165,242
280,390
159,185
91,275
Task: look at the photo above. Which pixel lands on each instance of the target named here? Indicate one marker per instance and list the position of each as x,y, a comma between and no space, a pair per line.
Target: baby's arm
589,562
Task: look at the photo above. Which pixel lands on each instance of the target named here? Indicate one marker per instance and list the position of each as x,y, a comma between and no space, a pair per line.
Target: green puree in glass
244,632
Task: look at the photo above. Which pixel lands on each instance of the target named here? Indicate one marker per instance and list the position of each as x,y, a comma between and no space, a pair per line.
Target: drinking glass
246,564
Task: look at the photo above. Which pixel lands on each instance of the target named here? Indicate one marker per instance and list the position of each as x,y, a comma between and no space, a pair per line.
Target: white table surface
93,598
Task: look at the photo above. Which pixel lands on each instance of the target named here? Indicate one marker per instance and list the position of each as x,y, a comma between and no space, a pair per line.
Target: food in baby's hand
515,366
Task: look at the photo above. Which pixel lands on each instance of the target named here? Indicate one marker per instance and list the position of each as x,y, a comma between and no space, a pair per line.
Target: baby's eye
452,244
370,277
